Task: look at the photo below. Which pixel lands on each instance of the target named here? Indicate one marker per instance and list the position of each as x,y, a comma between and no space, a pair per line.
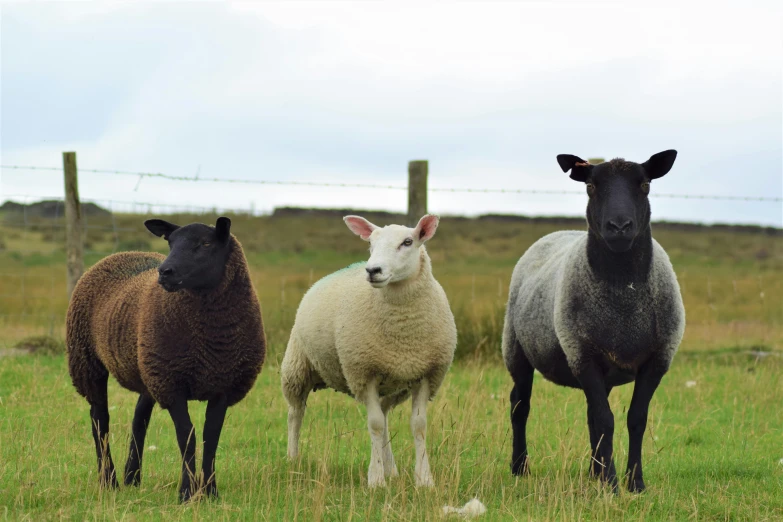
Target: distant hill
50,209
575,222
55,209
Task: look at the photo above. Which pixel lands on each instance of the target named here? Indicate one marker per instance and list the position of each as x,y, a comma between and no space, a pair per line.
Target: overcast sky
488,93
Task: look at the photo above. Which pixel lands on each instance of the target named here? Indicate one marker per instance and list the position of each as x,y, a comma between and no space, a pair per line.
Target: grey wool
557,309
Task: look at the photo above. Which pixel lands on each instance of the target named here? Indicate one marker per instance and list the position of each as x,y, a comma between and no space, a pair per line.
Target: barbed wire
160,175
214,180
135,204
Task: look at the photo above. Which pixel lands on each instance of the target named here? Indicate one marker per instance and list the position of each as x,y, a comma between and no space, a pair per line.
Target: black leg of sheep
596,468
647,382
186,438
213,424
600,423
141,420
99,417
520,410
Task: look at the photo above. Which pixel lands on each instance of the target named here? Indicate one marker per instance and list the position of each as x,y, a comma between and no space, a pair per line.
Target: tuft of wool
473,509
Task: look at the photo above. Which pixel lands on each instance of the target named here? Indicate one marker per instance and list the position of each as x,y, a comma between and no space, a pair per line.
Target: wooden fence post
73,223
417,190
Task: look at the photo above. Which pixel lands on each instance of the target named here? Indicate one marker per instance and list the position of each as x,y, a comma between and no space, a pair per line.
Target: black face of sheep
618,208
198,254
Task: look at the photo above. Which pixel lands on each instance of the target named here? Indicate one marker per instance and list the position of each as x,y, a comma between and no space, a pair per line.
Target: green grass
711,451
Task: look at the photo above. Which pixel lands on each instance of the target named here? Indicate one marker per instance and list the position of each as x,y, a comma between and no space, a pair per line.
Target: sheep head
618,208
198,254
394,249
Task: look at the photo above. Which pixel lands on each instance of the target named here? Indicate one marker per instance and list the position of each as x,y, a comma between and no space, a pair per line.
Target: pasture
711,451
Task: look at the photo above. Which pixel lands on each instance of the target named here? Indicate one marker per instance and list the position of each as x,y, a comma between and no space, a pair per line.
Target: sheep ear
580,169
360,226
160,227
660,164
223,228
426,227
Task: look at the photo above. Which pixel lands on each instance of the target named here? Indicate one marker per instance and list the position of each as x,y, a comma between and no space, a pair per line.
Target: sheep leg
647,382
296,413
186,438
595,439
376,423
600,421
141,420
421,394
595,466
389,466
520,410
213,424
296,383
99,418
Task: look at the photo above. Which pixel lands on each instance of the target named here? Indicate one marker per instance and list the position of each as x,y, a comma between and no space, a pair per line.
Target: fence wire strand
197,178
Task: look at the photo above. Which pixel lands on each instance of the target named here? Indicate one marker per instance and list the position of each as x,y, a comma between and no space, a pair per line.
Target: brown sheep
172,329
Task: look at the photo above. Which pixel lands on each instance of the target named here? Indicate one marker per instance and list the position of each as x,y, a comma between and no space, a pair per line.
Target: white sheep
378,331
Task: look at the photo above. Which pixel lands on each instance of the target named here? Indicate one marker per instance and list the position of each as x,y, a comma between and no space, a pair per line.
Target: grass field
711,452
732,283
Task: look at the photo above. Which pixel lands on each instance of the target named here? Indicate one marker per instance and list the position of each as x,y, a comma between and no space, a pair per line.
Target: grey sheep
597,309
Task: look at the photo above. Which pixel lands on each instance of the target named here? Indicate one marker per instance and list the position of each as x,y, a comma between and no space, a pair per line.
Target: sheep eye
645,187
407,242
590,187
206,244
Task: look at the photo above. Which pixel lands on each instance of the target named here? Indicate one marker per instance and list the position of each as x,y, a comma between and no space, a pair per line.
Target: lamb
379,331
597,309
174,328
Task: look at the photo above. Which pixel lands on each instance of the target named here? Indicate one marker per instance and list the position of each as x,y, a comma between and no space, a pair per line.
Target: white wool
350,332
474,508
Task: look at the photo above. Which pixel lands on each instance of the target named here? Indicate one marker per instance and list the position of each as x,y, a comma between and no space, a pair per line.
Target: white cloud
489,92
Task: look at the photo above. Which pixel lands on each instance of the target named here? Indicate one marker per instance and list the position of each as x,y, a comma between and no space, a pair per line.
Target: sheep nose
371,271
619,226
165,271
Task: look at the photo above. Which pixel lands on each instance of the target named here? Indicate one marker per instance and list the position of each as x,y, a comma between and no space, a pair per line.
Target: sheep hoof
376,481
133,478
636,485
109,480
520,467
211,490
185,495
425,482
611,482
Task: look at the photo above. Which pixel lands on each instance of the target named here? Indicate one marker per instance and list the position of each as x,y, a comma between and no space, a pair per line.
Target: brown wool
197,344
